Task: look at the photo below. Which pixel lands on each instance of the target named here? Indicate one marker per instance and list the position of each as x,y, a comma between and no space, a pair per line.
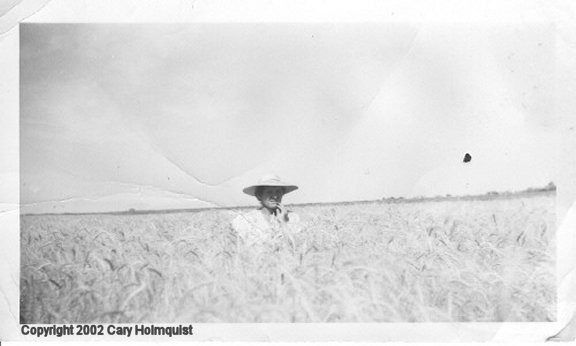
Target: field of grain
473,260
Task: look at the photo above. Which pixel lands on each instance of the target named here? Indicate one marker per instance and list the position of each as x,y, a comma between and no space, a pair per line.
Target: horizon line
447,197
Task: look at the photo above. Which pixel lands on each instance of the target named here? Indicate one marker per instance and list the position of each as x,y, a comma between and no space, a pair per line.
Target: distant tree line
548,188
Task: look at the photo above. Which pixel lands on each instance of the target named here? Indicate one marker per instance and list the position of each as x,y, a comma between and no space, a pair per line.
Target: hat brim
251,190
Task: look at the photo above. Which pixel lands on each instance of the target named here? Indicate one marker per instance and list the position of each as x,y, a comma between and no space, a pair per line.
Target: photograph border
67,11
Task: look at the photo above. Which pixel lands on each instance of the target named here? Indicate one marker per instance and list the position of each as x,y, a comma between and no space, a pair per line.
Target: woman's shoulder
244,218
250,214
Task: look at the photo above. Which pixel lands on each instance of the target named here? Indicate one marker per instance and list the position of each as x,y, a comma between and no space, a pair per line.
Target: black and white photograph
284,173
291,173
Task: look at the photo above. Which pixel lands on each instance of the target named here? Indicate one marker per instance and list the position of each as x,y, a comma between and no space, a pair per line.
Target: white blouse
258,225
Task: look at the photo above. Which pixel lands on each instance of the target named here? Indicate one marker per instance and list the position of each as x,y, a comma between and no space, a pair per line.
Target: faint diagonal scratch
181,194
7,302
96,198
11,8
183,170
7,299
10,26
567,333
401,61
11,207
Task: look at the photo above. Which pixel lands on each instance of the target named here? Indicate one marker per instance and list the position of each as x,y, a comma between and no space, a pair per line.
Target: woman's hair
258,192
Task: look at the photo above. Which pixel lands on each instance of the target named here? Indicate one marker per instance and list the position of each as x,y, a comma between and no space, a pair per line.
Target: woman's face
271,196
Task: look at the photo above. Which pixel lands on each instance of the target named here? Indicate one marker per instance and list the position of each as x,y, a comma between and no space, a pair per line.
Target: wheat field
441,261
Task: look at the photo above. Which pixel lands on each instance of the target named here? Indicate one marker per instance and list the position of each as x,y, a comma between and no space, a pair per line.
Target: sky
161,116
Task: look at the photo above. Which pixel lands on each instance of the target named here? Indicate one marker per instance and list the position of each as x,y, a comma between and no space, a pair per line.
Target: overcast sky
155,116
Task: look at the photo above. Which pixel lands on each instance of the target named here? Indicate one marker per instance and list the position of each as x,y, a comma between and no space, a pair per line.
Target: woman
272,218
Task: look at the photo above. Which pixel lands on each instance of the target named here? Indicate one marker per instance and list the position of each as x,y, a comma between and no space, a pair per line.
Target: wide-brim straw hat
270,180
